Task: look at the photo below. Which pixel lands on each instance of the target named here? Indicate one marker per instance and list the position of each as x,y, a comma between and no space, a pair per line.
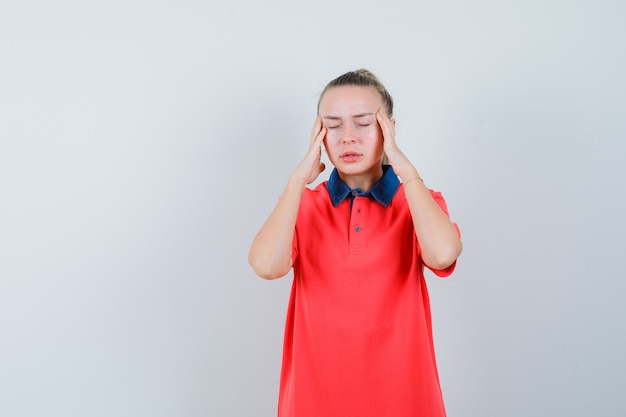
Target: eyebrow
355,116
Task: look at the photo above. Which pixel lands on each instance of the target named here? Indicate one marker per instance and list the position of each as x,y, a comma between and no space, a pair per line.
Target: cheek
333,135
379,145
375,136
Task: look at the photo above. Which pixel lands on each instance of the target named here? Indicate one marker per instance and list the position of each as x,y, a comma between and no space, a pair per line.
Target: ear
393,122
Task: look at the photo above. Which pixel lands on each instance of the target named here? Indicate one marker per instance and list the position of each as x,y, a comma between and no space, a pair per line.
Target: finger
319,138
317,126
382,119
321,135
385,124
315,149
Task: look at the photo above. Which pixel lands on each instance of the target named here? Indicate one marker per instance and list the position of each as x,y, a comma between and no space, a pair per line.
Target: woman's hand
400,163
271,251
439,240
311,166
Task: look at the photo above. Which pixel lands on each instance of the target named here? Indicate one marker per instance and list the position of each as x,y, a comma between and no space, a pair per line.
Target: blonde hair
362,78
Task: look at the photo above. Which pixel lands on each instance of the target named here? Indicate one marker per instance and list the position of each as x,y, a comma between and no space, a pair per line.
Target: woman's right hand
272,248
311,166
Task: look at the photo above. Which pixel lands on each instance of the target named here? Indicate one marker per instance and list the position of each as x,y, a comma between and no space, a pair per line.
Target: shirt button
357,228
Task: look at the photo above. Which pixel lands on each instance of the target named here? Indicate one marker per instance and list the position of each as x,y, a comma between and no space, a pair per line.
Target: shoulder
436,195
320,190
315,206
317,195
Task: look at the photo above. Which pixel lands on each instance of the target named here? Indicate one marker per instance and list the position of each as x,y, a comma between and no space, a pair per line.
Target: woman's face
354,140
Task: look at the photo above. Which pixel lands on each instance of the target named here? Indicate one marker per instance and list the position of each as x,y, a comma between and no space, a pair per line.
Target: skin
354,139
355,130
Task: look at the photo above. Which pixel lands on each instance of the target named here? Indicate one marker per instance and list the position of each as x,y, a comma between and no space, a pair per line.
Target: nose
348,136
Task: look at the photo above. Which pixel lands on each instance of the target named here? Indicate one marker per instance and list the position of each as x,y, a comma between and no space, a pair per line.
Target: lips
350,156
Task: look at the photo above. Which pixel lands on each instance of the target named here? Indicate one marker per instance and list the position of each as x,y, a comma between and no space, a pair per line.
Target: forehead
350,100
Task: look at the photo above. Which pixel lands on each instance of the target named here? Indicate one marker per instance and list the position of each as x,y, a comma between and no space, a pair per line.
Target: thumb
316,172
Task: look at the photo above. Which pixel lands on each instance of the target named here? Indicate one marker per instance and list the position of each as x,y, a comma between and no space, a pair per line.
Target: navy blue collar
383,191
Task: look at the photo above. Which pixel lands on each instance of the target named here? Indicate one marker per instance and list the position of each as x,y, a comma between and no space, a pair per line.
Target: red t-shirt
358,335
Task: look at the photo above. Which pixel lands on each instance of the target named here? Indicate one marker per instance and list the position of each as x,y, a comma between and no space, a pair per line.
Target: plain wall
142,145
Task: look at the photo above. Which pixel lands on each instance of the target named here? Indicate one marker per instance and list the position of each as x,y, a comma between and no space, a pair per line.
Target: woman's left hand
400,163
439,239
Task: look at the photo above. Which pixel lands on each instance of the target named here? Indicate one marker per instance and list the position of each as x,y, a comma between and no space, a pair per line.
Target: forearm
271,249
438,238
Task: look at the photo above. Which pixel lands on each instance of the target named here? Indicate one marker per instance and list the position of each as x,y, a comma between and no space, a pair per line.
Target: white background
143,143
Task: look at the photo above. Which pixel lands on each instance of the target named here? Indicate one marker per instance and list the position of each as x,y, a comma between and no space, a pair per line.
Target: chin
358,169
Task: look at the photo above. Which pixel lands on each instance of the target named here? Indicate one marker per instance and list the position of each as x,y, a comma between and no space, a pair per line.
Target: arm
439,240
271,249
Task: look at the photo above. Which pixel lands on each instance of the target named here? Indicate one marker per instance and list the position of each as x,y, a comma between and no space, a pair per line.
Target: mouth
349,156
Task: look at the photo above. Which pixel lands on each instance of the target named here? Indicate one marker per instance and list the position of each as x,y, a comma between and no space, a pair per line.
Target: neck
365,180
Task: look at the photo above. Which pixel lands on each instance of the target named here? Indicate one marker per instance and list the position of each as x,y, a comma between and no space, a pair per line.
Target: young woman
358,338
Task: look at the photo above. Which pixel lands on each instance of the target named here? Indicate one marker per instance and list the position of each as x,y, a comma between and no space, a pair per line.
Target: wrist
409,175
296,181
413,179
